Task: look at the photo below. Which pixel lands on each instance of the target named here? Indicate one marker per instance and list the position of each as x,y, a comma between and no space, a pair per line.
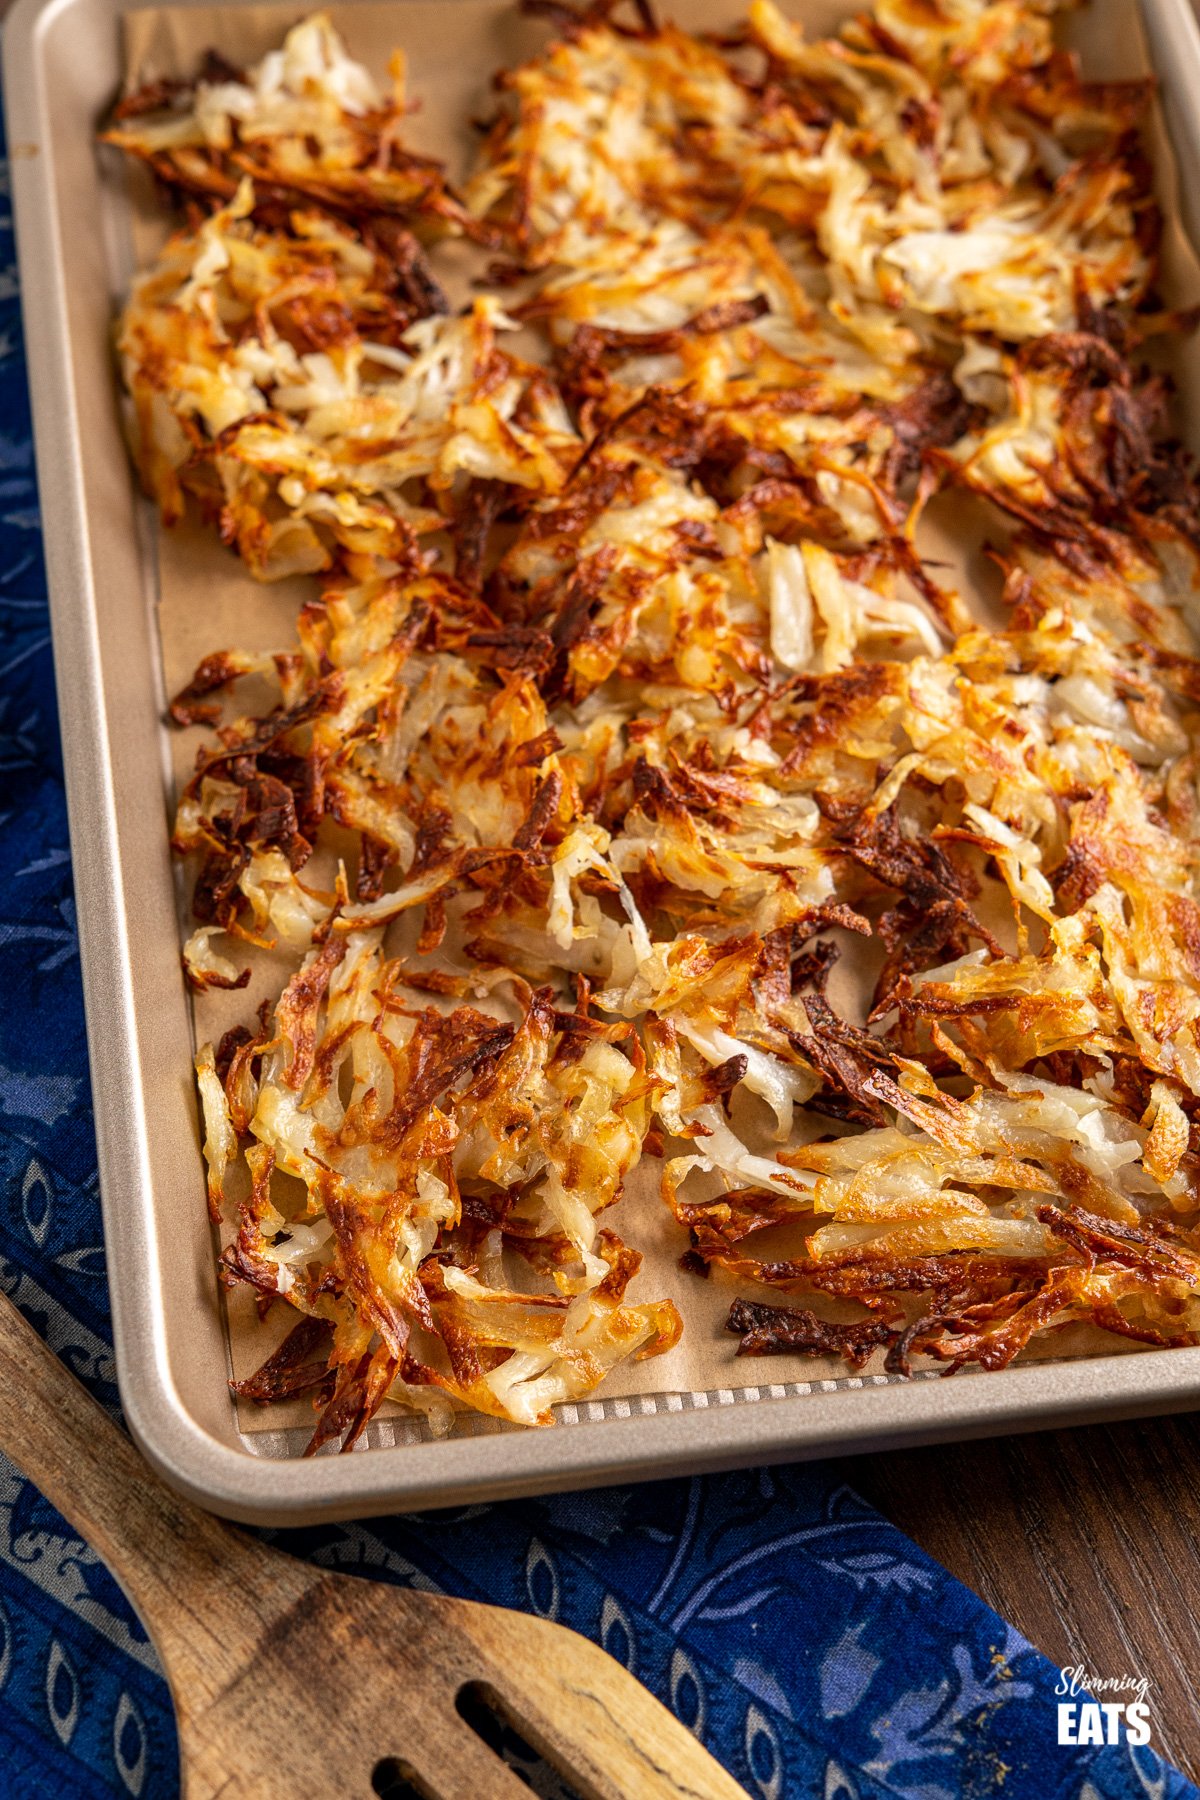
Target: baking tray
62,65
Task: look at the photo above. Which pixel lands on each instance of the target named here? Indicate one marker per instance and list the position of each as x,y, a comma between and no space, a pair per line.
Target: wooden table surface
1087,1541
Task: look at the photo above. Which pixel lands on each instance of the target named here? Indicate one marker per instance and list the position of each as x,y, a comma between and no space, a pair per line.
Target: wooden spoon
293,1683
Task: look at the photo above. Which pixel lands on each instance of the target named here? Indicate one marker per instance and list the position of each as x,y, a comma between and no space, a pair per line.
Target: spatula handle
236,1621
160,1547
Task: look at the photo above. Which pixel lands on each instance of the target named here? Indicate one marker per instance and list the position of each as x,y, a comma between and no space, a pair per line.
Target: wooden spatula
292,1683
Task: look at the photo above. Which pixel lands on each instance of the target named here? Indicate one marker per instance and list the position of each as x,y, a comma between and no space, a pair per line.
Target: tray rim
268,1491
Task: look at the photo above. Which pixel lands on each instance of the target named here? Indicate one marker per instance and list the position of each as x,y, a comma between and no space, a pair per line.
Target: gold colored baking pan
63,63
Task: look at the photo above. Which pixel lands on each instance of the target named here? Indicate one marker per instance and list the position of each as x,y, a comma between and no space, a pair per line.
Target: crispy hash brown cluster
308,125
629,702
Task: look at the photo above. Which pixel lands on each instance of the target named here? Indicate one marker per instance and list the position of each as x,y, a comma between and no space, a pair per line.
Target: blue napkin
815,1650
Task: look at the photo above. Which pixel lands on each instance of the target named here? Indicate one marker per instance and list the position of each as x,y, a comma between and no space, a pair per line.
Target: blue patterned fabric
815,1650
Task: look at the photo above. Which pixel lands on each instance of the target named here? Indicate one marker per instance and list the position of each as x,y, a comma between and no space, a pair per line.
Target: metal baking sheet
63,63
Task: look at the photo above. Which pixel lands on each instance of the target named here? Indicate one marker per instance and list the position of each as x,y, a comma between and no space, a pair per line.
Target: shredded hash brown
630,682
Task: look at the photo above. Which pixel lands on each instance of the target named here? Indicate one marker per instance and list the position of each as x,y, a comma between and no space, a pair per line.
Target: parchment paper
207,601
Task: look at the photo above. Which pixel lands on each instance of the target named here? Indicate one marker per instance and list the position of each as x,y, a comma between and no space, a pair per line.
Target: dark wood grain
1087,1541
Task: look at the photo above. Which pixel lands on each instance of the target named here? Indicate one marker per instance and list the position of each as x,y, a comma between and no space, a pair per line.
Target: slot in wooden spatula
296,1684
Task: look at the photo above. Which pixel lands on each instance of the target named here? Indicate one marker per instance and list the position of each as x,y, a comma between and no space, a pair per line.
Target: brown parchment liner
207,601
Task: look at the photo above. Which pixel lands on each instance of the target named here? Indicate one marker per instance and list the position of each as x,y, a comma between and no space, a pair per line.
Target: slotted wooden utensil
290,1683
